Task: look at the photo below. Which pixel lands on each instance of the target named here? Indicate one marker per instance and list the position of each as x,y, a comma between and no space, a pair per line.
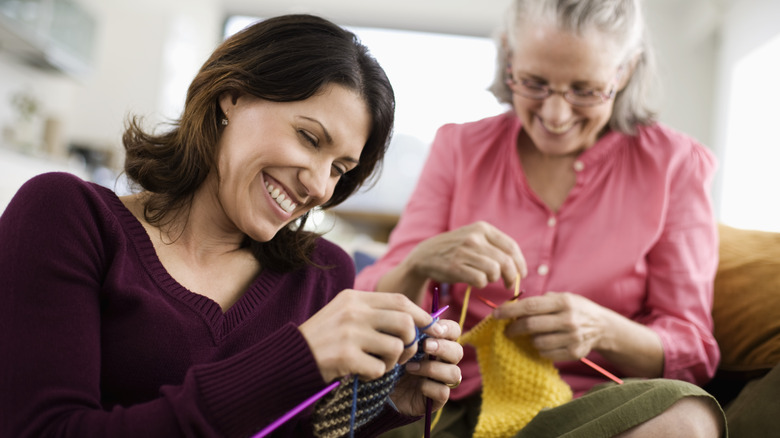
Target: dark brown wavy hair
282,59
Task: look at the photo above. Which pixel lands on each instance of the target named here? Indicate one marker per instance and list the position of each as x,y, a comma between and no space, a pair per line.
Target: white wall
133,72
686,42
747,25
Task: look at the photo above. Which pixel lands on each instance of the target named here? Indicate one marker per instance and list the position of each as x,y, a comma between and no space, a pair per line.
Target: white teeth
557,129
280,198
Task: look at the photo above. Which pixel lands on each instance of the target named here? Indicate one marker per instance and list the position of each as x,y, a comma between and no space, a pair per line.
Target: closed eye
339,171
309,137
533,85
583,92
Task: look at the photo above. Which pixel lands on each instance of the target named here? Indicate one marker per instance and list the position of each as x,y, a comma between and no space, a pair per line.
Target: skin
302,148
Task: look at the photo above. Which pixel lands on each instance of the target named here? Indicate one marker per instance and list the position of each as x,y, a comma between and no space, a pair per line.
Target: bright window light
751,181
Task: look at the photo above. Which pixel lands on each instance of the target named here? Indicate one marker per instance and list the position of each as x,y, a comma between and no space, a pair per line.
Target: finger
546,323
449,330
400,303
395,323
515,263
539,305
375,345
444,350
436,390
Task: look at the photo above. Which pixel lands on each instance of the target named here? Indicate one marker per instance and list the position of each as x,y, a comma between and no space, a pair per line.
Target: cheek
597,120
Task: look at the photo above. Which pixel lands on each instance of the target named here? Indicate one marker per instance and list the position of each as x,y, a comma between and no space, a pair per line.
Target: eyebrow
328,138
579,82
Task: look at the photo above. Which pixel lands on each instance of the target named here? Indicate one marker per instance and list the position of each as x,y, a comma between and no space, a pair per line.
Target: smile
558,129
280,197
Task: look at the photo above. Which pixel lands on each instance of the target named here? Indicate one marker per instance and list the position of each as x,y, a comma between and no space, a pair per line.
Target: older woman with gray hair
600,213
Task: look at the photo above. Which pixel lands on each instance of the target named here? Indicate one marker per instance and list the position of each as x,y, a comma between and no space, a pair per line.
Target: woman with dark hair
199,305
602,211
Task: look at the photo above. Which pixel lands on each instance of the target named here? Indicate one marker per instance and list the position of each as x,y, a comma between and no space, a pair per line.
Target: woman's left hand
430,378
564,326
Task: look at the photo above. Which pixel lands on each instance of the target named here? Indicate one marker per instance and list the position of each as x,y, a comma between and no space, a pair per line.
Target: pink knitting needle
609,375
309,401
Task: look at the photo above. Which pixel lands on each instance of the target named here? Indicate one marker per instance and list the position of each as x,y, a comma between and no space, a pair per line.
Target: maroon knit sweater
96,339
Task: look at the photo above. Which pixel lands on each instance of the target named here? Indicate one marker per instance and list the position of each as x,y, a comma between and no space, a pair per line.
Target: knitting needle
486,301
609,375
429,401
309,401
584,360
294,411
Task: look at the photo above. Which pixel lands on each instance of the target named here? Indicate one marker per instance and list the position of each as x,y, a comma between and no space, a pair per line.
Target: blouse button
542,270
579,166
551,222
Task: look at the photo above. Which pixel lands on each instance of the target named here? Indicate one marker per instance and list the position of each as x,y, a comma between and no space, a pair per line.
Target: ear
227,101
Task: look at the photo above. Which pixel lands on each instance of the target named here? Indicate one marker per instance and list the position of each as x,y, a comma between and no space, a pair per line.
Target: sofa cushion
746,308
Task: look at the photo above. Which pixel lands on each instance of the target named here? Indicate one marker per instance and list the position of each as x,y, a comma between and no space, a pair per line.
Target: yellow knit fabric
516,381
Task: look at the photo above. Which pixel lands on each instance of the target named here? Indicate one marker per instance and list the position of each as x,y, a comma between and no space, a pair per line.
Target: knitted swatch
517,382
339,415
354,403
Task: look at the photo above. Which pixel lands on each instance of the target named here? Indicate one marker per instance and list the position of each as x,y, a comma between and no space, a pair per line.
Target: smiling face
278,160
545,55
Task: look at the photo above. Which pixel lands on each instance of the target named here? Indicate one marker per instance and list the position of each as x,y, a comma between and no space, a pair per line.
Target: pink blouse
636,234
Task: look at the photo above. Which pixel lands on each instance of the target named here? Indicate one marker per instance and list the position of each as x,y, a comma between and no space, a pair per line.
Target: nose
316,180
555,109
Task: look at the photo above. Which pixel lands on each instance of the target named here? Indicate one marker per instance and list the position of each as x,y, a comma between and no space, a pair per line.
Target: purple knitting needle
428,402
309,401
294,411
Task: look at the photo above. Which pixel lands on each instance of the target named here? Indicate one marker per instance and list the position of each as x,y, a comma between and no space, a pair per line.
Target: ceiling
466,17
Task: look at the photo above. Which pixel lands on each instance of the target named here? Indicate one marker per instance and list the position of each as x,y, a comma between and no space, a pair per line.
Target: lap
605,411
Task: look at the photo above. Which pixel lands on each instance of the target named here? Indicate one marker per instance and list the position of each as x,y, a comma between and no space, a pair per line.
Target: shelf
56,35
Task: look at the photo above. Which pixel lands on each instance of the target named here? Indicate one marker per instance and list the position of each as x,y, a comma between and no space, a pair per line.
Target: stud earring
224,122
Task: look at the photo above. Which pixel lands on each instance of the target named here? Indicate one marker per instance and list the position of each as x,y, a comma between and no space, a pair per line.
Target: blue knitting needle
309,401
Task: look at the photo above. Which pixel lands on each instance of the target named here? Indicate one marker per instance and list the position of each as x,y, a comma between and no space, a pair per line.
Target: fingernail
431,345
438,329
412,366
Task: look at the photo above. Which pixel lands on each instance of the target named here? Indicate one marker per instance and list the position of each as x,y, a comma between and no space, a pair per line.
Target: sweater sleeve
682,269
57,243
428,211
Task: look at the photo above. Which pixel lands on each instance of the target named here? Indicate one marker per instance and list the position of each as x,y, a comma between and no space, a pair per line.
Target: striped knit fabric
332,414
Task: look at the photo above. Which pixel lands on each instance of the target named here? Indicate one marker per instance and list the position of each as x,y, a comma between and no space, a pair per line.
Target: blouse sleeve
682,269
427,212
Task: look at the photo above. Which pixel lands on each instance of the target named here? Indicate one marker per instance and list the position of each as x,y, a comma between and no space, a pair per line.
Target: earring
224,122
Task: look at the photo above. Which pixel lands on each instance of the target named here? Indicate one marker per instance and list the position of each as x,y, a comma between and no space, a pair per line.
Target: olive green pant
605,411
755,413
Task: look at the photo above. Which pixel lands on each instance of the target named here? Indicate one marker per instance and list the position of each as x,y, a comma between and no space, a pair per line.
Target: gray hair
620,20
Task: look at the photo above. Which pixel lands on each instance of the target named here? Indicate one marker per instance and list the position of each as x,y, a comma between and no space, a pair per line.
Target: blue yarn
354,408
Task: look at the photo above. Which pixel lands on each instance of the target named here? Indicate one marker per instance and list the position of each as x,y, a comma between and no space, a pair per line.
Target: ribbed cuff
248,391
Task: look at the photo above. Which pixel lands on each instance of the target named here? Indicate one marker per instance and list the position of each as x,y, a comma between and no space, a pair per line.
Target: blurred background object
71,71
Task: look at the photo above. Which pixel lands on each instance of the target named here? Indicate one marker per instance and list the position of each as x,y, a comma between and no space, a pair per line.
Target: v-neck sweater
99,340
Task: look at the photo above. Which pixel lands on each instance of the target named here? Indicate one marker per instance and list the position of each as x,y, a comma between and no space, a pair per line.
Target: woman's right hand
475,254
364,333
